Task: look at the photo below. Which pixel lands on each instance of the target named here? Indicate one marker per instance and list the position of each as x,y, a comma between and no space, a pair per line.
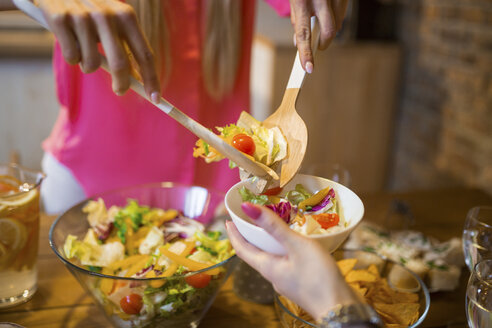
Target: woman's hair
221,46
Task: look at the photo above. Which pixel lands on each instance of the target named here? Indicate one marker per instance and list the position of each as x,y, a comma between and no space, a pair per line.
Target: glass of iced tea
19,233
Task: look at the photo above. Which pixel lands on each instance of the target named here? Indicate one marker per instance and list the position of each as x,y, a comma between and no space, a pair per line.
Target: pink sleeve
282,7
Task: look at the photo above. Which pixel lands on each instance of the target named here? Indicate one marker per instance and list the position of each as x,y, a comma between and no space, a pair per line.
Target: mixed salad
303,211
141,242
266,146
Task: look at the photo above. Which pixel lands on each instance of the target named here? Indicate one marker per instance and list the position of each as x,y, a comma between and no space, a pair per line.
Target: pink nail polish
309,67
251,210
155,97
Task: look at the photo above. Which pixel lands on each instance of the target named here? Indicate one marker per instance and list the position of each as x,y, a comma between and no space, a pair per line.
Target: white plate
351,210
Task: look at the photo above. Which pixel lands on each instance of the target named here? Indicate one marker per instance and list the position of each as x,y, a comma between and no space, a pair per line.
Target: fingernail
309,67
155,97
295,41
251,210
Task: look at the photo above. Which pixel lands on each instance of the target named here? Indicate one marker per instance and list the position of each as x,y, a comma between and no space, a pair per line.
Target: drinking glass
477,235
19,233
479,296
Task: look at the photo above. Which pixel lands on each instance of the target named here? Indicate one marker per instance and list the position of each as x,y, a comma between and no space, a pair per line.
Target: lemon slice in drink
13,234
20,199
10,180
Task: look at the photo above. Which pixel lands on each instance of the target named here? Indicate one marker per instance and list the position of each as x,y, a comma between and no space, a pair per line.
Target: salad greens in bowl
152,255
313,206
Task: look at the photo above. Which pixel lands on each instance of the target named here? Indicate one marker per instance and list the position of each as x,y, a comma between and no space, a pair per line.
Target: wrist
351,315
335,295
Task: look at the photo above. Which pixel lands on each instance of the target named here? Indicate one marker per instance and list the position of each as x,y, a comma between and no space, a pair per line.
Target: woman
195,53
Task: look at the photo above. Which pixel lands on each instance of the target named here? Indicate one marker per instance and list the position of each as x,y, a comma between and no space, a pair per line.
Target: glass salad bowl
350,206
176,300
390,299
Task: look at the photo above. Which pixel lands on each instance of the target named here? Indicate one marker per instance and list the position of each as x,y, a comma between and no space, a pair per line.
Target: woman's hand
330,14
80,24
307,275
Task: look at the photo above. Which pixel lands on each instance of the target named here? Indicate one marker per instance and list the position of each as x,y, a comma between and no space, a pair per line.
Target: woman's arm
7,5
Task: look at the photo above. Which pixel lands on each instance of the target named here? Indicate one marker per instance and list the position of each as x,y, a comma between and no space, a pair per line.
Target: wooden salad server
263,172
286,118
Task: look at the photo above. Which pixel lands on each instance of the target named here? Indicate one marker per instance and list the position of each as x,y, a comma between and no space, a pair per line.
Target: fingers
255,257
80,24
275,226
106,26
302,29
57,16
327,23
339,10
330,14
84,31
143,54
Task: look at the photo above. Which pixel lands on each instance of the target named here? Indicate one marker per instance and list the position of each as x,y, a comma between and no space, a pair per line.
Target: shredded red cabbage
282,209
103,230
140,274
144,271
325,201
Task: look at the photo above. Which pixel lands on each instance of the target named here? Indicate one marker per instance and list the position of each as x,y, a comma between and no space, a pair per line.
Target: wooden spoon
286,118
263,172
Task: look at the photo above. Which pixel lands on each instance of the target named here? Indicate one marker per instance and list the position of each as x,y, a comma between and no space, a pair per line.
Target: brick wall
444,127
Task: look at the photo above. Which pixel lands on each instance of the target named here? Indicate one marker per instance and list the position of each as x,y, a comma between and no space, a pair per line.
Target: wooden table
61,302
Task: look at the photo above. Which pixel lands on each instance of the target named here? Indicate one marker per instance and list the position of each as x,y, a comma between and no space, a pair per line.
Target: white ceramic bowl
351,209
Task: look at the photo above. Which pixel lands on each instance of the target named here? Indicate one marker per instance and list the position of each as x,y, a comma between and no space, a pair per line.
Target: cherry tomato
244,143
272,191
131,304
199,280
327,220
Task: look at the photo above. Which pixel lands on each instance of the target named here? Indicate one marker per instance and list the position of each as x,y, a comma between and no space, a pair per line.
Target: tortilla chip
374,270
356,287
403,313
387,319
291,306
346,265
360,275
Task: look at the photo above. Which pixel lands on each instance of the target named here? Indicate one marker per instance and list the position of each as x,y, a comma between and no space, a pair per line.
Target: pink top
109,141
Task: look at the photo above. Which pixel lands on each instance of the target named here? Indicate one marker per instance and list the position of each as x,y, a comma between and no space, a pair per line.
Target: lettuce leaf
207,152
222,247
248,196
298,194
270,144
